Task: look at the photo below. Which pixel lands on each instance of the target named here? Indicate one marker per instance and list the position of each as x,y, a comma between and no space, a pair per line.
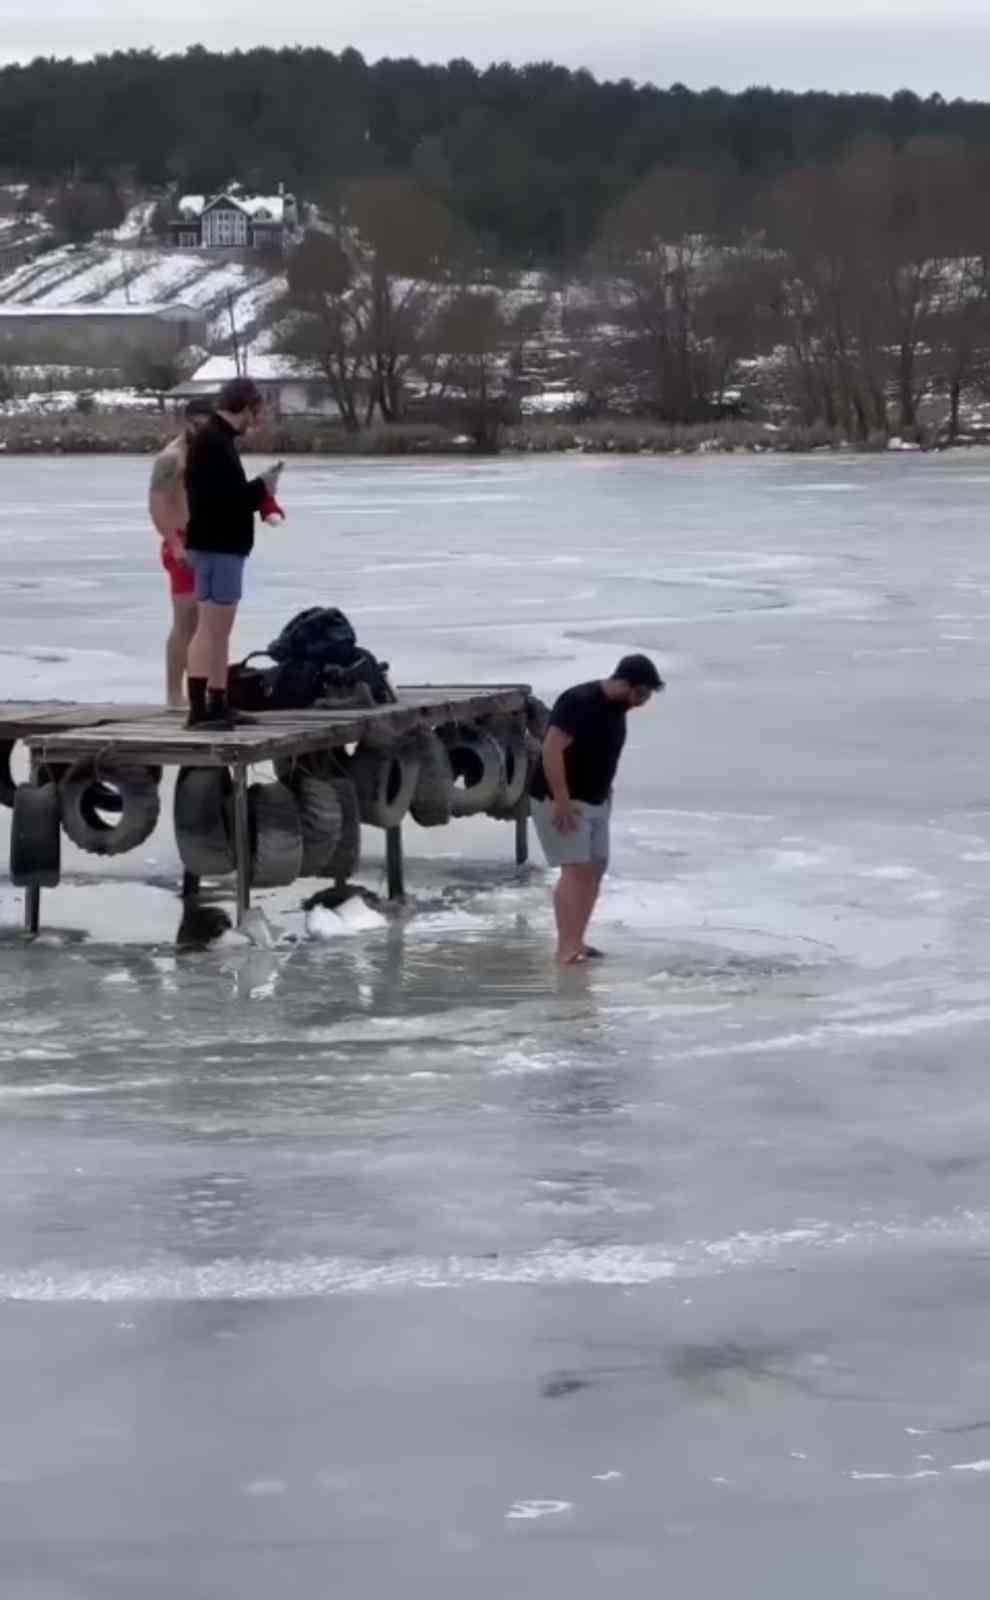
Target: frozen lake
404,1261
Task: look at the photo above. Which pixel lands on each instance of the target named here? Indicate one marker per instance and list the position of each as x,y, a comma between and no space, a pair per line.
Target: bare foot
573,958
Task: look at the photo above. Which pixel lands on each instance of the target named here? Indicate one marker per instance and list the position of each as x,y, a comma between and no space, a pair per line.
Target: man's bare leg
573,902
600,868
208,650
177,648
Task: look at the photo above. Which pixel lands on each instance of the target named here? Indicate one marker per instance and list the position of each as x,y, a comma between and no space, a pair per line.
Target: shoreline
145,433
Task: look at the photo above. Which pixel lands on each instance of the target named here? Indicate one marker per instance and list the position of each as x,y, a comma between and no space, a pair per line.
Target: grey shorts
219,577
588,843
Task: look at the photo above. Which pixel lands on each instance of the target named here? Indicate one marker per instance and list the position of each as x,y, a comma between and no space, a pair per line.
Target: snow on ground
135,222
57,402
114,278
550,401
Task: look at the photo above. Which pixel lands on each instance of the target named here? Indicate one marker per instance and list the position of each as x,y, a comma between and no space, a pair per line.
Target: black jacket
222,502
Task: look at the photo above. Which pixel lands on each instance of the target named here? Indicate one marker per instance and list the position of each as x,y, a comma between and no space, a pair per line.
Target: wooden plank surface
19,717
150,736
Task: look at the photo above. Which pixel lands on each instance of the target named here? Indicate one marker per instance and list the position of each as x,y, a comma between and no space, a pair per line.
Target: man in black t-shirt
571,791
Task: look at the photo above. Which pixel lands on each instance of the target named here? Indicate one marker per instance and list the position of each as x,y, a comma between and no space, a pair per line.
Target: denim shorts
589,841
219,577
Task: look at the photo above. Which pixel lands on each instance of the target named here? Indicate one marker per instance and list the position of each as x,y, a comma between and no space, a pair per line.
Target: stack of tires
104,813
302,824
469,769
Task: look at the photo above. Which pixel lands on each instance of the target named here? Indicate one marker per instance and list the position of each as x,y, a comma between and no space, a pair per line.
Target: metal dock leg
242,844
522,838
393,861
32,895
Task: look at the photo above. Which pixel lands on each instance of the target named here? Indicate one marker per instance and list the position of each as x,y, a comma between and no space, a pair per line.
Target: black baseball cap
639,672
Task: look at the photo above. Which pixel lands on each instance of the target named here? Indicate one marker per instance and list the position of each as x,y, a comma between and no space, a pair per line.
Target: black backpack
321,635
322,639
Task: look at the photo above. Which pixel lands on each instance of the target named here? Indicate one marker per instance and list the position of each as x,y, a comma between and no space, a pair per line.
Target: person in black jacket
219,539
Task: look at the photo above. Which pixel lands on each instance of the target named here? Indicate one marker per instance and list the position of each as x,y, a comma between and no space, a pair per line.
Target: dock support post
32,910
522,836
242,843
32,895
393,861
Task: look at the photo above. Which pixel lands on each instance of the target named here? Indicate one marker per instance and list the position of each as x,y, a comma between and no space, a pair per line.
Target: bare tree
657,258
364,291
474,355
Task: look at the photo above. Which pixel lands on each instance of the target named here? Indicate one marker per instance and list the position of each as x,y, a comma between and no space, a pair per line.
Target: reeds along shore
144,434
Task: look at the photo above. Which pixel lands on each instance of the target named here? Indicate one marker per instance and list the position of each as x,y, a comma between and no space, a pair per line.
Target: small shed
290,389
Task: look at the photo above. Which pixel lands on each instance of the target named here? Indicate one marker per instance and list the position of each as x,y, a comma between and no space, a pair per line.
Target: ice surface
340,1257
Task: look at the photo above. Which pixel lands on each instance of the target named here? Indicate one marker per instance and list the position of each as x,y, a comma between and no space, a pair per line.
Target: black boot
219,714
196,689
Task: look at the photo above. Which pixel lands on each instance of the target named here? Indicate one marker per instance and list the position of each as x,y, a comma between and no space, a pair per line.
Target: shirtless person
170,514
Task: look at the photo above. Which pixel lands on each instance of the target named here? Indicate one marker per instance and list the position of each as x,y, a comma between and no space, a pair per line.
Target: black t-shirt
597,726
222,502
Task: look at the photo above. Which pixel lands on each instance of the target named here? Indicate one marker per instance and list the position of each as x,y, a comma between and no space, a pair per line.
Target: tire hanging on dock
478,767
83,795
8,785
203,813
385,782
328,764
430,806
49,773
36,837
346,857
276,835
511,735
320,820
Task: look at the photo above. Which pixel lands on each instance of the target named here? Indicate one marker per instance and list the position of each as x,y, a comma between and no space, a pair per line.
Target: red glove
270,510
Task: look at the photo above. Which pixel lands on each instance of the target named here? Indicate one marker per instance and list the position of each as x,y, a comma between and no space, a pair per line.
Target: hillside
117,275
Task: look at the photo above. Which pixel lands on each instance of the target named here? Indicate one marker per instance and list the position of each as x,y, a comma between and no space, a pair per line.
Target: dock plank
152,736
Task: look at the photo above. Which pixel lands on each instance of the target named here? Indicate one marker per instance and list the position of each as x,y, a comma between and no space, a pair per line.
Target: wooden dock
59,734
152,736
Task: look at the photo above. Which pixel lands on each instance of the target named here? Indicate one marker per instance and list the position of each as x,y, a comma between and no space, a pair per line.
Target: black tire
385,782
320,819
511,735
109,798
203,813
478,767
328,764
276,835
36,837
8,787
83,794
346,857
430,805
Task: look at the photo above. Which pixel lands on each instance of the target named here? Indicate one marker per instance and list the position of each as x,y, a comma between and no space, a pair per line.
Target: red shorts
182,578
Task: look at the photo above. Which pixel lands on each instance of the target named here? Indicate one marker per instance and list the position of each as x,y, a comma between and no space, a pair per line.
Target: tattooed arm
167,495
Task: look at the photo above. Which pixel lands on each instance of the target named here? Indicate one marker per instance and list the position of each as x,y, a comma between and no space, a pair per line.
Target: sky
883,45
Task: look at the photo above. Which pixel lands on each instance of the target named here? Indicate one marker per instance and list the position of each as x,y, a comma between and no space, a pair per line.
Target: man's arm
565,812
167,501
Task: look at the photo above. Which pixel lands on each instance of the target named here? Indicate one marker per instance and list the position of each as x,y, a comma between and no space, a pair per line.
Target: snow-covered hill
102,274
